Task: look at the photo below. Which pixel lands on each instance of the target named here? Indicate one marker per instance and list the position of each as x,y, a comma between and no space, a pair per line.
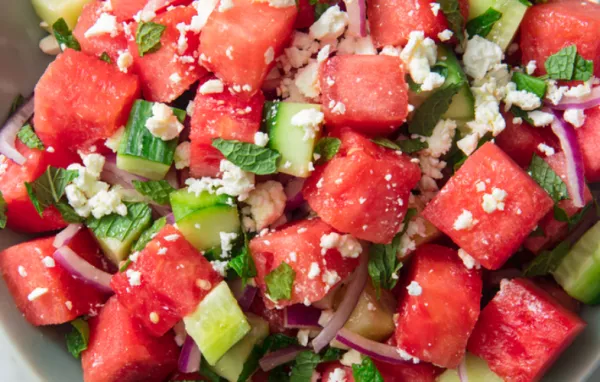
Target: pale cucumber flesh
505,29
203,227
477,371
184,202
51,10
142,167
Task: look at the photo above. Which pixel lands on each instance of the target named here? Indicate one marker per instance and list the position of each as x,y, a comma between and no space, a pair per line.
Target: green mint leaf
332,354
366,371
451,9
126,264
525,3
306,363
207,372
530,84
157,190
584,69
327,148
547,261
3,210
139,216
278,341
384,142
320,8
561,65
251,364
146,236
543,174
429,113
459,157
273,342
560,214
413,86
576,218
105,57
411,146
78,338
68,213
520,113
248,157
279,374
29,138
482,24
64,36
280,282
243,264
147,37
49,188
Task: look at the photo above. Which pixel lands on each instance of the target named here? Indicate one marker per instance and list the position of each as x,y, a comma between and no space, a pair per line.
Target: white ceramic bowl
29,354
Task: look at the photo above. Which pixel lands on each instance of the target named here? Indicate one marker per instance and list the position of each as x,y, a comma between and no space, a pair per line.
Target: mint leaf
482,24
520,113
64,36
106,58
207,372
332,354
273,342
327,148
251,364
451,9
279,341
248,157
411,146
68,213
120,227
567,64
530,84
146,236
527,3
384,142
157,190
547,261
366,371
306,363
560,214
280,282
29,138
320,7
49,188
575,219
78,338
3,210
413,86
243,264
543,174
430,112
147,37
584,69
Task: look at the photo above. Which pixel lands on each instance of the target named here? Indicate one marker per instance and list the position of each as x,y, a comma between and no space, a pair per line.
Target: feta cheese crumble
414,289
37,293
330,25
338,375
106,24
464,221
347,245
124,61
182,155
212,87
266,204
314,271
494,201
227,241
575,117
540,118
48,262
134,277
480,56
547,150
419,54
468,260
234,182
310,120
163,123
261,139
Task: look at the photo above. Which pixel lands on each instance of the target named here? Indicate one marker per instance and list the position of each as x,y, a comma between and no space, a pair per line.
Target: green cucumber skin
462,107
505,29
185,203
202,228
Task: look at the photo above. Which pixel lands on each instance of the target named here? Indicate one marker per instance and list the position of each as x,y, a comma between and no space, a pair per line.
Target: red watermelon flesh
125,10
372,209
421,372
302,238
372,90
81,100
306,14
66,298
589,140
235,42
223,115
491,238
173,278
578,23
120,350
522,331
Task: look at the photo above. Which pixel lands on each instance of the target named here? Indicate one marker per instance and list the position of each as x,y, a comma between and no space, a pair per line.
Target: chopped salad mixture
308,190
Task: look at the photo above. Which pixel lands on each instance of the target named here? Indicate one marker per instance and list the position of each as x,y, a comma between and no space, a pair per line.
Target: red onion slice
462,370
575,168
170,219
300,316
346,307
357,17
375,350
293,192
280,357
65,236
9,131
83,270
247,297
190,357
587,102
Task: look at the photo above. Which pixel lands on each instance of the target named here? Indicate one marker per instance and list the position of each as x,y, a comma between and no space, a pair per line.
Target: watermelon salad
308,190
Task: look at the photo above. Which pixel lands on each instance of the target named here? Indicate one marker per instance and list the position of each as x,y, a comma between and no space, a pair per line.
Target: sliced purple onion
65,236
180,333
170,218
587,102
83,270
190,357
280,357
462,370
246,299
172,178
9,131
375,350
575,168
300,316
346,307
357,17
293,192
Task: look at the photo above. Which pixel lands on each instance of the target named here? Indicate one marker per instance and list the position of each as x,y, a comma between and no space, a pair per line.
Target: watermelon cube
371,89
435,322
391,21
169,72
489,206
119,350
588,136
522,331
22,215
407,372
166,282
306,15
299,245
104,43
373,208
578,23
125,10
81,100
221,115
44,291
238,44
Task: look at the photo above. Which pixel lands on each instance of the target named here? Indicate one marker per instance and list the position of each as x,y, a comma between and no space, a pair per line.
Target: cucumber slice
579,272
287,139
462,108
217,324
504,30
142,153
52,10
230,366
202,228
477,371
478,7
184,202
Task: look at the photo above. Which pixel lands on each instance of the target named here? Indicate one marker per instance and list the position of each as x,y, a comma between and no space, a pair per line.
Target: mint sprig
157,190
549,180
64,36
483,24
280,282
147,37
248,157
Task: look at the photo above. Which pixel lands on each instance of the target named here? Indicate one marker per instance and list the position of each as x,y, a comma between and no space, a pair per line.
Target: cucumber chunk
505,29
579,271
462,108
217,324
477,370
230,366
142,153
478,7
184,202
287,139
52,10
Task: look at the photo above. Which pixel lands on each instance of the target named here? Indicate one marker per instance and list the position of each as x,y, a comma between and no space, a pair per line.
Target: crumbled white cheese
435,8
134,277
310,120
338,375
212,87
521,98
162,251
419,54
440,141
282,3
555,93
389,50
480,56
330,25
464,221
330,277
175,78
407,357
547,150
575,117
269,55
540,118
227,241
266,204
69,305
432,81
347,245
494,201
124,61
225,5
480,186
531,67
414,289
106,24
48,262
261,139
314,270
220,267
352,357
113,141
468,260
163,123
307,80
337,107
37,293
204,8
445,35
324,53
22,271
182,155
